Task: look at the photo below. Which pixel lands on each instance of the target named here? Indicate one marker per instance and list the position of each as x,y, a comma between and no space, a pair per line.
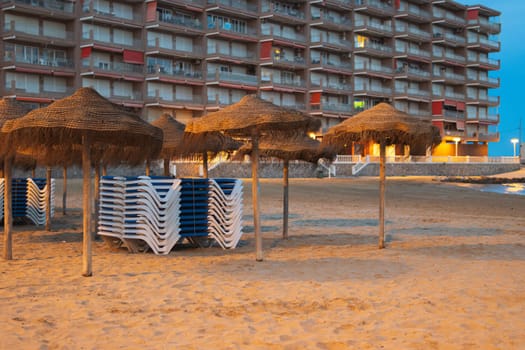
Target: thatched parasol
298,147
172,132
91,121
385,125
9,109
206,143
252,117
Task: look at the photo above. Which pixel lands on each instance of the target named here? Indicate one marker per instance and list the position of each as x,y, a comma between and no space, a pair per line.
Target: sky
511,73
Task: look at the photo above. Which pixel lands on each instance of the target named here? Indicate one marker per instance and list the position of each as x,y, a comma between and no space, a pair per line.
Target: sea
508,188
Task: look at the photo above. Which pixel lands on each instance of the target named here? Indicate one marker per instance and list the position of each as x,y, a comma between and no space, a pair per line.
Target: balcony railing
488,118
226,50
412,51
178,20
331,85
21,27
57,93
170,71
442,14
117,67
326,38
332,107
412,71
476,40
273,79
90,36
406,91
159,44
373,25
51,5
373,46
326,62
414,10
383,6
234,4
217,75
365,66
483,79
372,88
448,55
268,30
448,75
407,29
160,96
339,21
44,61
492,27
92,7
289,12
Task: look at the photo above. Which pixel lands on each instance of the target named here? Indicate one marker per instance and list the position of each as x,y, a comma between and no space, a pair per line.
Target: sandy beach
452,276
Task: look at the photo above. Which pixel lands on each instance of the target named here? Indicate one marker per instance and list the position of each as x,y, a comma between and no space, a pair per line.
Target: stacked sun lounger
155,213
194,210
225,211
36,200
140,213
28,198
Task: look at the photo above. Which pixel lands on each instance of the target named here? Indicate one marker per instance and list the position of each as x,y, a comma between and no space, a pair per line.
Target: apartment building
329,58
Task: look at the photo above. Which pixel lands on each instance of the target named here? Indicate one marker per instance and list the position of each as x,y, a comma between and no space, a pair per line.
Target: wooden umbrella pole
48,199
285,198
205,164
382,161
8,213
33,173
166,167
255,198
64,191
148,167
86,203
104,170
97,197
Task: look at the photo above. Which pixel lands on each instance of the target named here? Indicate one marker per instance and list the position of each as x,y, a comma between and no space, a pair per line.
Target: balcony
170,100
448,57
95,13
374,7
156,46
412,52
41,35
330,41
413,13
484,81
295,38
447,18
227,30
411,32
117,70
483,44
177,23
240,80
281,83
283,15
411,73
292,63
326,85
372,28
107,42
483,100
448,39
40,94
484,137
411,94
373,49
378,70
330,22
483,62
233,7
448,77
335,4
484,119
223,52
167,73
325,64
484,25
42,8
372,90
329,109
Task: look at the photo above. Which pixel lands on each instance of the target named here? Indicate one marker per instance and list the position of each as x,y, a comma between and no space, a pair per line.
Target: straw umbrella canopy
9,109
253,117
91,121
298,147
207,142
385,125
172,132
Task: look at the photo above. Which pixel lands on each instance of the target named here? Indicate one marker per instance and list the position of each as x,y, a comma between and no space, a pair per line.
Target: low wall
302,170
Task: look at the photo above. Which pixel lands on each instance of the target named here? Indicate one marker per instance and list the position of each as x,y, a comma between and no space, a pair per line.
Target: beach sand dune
451,277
